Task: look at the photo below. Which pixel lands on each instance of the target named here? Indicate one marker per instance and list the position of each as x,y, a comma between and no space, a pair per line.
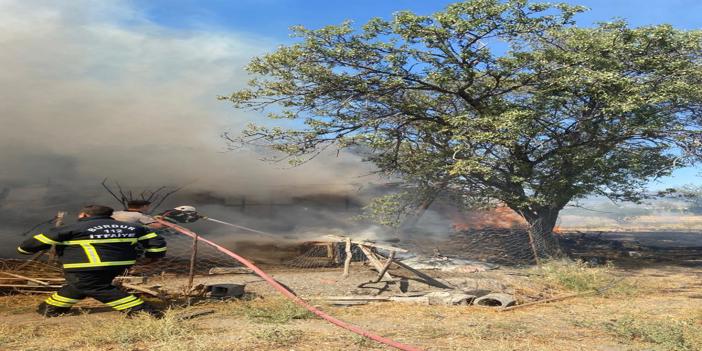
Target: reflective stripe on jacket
96,243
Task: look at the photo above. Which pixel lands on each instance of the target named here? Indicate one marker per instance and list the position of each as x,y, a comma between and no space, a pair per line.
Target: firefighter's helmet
186,208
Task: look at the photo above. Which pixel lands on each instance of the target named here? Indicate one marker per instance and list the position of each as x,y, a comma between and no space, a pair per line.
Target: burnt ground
636,249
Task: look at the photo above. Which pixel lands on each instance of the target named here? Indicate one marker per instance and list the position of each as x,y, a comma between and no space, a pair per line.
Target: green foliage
503,100
389,210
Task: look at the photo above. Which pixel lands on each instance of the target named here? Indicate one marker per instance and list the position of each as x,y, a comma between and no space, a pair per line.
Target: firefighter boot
144,308
47,310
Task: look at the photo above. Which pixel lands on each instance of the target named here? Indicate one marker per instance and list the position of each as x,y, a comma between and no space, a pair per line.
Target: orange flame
500,217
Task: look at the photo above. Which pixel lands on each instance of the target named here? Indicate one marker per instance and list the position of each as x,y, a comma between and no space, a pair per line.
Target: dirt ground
659,308
649,305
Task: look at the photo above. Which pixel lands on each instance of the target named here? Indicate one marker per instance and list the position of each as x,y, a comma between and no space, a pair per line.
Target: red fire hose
285,292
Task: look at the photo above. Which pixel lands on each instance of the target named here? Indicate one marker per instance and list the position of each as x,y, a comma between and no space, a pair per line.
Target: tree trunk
542,221
411,221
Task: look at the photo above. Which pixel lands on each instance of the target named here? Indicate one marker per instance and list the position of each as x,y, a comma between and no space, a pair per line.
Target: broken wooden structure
380,261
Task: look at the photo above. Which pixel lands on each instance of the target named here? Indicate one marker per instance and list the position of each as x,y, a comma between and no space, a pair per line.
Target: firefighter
181,214
93,252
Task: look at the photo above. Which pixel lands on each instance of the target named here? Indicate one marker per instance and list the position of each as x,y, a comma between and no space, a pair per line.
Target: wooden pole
533,245
193,258
374,260
26,278
427,278
347,261
385,267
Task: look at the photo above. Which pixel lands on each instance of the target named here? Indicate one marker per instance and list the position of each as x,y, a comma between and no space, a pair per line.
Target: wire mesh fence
183,252
325,254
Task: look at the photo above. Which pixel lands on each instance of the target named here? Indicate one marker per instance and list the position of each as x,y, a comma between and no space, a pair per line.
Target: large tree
492,99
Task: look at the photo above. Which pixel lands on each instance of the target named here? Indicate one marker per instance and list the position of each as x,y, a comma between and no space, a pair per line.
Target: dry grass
578,276
125,331
268,310
117,331
18,304
653,320
277,336
677,335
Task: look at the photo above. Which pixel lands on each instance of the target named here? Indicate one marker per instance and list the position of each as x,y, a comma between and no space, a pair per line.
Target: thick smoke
93,89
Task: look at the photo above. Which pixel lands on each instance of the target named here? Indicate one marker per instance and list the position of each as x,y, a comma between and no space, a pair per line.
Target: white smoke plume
94,89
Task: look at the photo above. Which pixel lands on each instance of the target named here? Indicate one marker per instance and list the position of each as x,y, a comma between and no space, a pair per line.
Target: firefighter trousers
95,284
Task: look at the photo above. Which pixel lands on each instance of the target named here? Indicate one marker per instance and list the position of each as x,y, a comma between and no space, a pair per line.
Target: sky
272,18
128,88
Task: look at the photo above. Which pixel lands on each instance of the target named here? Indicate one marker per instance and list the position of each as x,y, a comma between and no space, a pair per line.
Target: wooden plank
132,279
427,278
230,270
355,298
57,280
29,286
26,278
553,299
140,289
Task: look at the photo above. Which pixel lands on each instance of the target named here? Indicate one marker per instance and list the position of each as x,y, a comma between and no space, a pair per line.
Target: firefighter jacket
96,243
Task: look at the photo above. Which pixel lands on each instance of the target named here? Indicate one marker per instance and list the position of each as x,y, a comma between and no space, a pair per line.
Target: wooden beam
193,260
26,278
385,267
375,262
427,278
58,280
140,289
29,286
229,270
347,261
354,298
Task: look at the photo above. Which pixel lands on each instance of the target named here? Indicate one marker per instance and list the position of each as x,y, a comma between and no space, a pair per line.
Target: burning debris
499,217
